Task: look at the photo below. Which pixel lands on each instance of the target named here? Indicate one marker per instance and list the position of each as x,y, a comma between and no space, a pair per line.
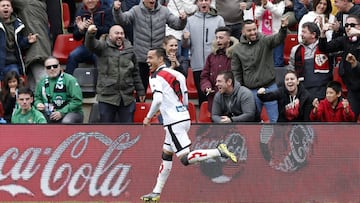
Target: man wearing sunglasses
349,68
345,8
58,95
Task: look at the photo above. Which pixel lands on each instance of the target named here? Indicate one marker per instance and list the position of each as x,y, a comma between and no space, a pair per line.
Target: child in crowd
334,108
11,84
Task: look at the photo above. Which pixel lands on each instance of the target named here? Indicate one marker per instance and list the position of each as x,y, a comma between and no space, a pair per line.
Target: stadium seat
204,114
338,78
64,44
65,15
192,112
87,79
148,93
141,110
190,83
264,116
290,41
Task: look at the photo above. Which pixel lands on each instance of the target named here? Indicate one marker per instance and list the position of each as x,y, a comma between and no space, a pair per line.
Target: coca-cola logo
221,170
287,148
107,177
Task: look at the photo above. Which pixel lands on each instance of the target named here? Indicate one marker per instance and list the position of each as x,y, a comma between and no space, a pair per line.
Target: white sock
202,154
164,173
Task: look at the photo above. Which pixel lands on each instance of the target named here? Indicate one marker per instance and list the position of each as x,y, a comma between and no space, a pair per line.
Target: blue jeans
271,106
79,55
278,55
110,113
8,68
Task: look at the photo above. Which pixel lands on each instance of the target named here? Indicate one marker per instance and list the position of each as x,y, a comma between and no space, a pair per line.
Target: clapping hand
117,5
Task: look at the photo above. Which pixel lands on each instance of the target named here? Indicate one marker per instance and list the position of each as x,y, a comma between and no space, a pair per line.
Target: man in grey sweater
233,102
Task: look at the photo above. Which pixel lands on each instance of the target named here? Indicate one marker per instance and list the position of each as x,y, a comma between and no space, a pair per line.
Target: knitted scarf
321,62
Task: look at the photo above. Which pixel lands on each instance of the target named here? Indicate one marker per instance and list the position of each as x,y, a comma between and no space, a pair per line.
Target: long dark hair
5,90
328,9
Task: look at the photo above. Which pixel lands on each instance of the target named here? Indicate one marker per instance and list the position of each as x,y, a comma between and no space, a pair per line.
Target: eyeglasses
350,24
52,66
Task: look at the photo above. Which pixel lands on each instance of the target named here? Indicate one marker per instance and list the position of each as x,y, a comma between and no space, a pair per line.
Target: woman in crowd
320,14
11,84
174,60
294,101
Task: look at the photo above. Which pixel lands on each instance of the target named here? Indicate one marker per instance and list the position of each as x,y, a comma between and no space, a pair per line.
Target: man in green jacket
58,95
26,113
118,75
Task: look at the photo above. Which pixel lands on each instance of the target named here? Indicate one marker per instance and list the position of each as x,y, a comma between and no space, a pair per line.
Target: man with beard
118,74
218,60
253,65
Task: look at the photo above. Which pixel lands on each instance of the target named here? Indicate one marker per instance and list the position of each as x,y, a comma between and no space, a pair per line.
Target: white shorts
176,138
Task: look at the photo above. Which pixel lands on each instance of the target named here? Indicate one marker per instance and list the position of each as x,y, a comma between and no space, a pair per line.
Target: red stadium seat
190,83
290,41
204,114
192,112
64,44
141,110
65,15
264,116
148,93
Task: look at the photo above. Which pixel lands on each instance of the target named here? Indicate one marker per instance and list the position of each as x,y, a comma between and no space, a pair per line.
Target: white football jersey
169,88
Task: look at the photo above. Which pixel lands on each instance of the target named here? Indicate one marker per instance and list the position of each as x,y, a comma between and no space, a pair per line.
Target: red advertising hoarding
107,163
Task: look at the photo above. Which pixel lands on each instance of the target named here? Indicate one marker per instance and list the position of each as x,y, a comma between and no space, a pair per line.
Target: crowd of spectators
211,37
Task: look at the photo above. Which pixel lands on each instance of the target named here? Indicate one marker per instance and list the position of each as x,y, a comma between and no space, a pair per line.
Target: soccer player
170,96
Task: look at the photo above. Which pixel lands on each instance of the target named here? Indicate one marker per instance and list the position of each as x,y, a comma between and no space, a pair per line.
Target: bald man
118,75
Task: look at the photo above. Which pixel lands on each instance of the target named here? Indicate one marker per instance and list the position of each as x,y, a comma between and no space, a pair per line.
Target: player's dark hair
159,51
328,9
